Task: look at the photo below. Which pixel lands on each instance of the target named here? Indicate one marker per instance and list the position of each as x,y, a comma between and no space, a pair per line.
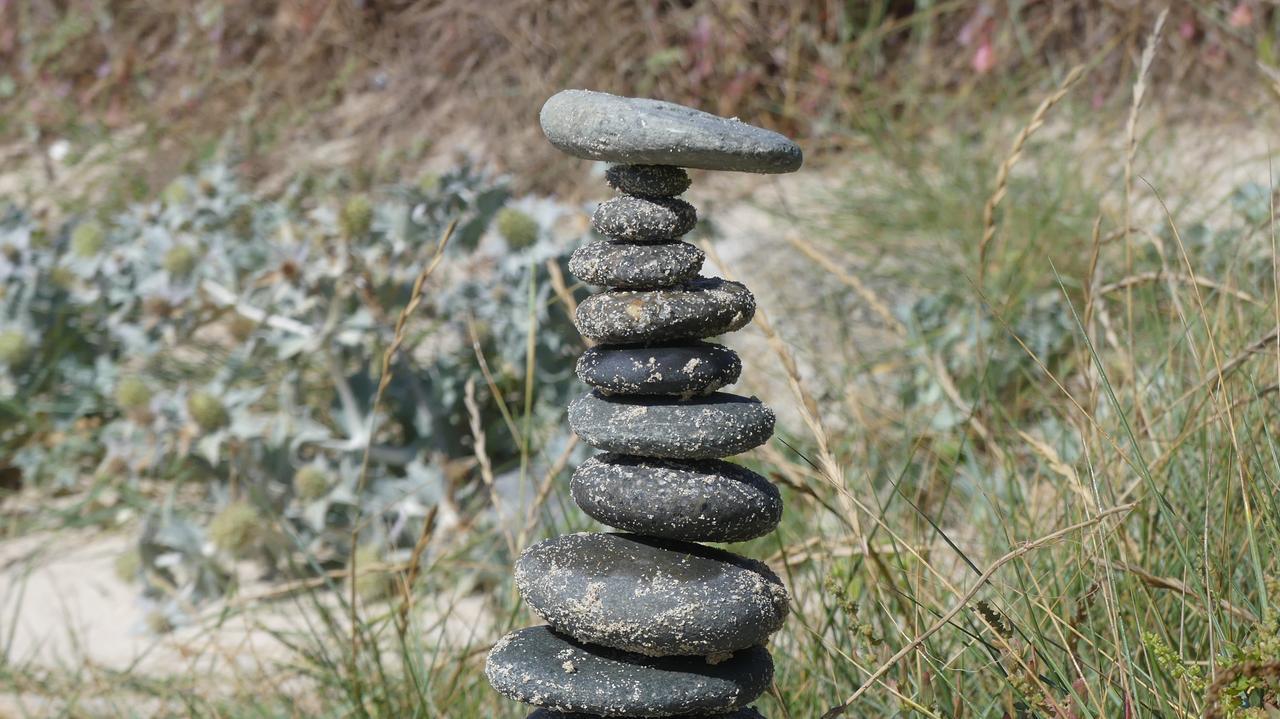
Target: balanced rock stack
646,622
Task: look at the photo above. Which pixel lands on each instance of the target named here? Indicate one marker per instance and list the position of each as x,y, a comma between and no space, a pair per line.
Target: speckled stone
710,427
748,713
705,500
644,219
538,666
600,126
684,370
634,265
647,180
657,597
703,307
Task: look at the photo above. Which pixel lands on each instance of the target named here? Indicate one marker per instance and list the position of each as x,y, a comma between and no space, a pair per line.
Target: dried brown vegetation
353,79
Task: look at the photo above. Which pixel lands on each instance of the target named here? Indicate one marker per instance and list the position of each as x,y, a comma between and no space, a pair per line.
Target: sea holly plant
219,346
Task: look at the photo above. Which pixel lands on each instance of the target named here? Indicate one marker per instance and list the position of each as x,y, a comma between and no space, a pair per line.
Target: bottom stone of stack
540,667
740,714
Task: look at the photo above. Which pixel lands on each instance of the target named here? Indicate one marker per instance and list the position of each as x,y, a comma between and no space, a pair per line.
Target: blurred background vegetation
285,333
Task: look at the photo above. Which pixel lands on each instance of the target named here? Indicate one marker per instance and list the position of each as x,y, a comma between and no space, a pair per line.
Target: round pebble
630,265
706,500
541,667
684,370
600,126
703,307
651,596
710,427
647,180
748,713
644,219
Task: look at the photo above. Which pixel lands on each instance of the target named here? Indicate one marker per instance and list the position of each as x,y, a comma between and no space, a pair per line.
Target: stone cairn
646,622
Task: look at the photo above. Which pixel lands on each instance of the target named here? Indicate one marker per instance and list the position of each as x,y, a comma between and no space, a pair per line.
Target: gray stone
644,219
705,500
600,126
684,370
538,666
651,596
748,713
647,180
710,427
702,307
629,265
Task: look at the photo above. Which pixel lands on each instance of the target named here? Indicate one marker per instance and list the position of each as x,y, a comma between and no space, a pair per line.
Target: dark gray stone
630,265
600,126
644,219
647,180
703,307
705,500
684,370
710,427
651,596
748,713
538,666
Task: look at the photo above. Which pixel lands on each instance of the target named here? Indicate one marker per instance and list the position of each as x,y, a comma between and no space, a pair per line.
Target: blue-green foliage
217,338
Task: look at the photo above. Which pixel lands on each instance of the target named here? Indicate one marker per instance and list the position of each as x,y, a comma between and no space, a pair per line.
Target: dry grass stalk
415,299
563,292
939,369
491,383
1153,276
414,568
866,293
966,598
830,468
544,488
1015,154
481,453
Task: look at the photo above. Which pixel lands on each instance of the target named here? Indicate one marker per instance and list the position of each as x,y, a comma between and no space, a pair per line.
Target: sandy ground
63,607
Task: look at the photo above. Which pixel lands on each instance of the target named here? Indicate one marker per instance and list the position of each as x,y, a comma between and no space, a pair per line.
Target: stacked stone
646,622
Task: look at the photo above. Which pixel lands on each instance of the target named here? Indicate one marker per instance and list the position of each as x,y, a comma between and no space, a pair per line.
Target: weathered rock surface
657,597
600,126
540,667
706,500
684,370
710,427
703,307
644,219
634,265
647,180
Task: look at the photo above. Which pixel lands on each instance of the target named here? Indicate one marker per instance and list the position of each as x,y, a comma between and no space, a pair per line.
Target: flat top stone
600,126
657,597
541,667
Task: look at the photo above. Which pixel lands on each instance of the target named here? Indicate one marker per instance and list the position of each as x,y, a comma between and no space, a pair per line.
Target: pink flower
1242,15
984,58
